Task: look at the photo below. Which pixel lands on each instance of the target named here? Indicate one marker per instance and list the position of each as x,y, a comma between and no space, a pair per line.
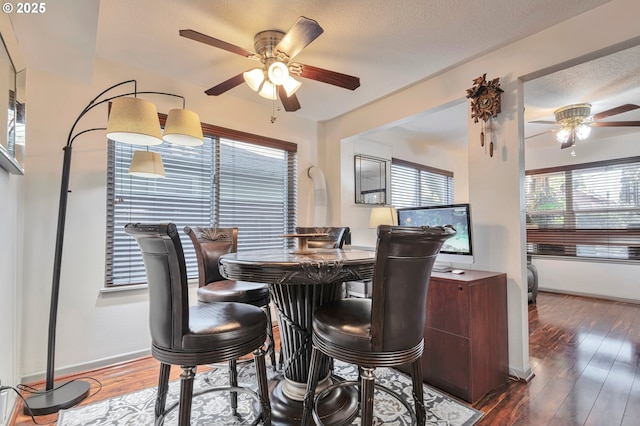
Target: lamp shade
278,72
384,215
254,78
146,164
291,86
134,121
183,128
268,90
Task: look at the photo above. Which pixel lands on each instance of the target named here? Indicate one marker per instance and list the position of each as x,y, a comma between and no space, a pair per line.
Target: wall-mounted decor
12,131
370,179
485,106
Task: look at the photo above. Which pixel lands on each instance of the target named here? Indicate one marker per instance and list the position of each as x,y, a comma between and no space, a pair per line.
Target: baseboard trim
87,366
521,375
522,379
591,296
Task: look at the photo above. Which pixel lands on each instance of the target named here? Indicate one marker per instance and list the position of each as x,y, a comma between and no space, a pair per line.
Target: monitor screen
457,215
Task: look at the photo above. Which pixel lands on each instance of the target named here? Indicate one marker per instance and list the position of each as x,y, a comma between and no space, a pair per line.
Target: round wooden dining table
299,283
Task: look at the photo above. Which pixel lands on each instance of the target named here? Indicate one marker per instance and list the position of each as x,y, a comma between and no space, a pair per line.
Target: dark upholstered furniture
191,336
532,282
386,330
335,239
210,244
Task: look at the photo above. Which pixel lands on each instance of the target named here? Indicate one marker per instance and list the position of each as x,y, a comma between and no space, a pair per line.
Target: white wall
356,216
93,327
11,206
494,183
601,279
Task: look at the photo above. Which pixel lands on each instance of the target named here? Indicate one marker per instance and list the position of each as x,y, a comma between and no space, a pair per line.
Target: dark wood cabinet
466,335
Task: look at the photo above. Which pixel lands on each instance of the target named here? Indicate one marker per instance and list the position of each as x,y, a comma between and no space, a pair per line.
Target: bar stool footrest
347,383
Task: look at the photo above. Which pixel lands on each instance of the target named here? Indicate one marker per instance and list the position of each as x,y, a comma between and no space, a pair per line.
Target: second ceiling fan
575,122
275,51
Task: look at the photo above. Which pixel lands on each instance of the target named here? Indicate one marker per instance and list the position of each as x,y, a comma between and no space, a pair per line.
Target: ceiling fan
576,121
275,51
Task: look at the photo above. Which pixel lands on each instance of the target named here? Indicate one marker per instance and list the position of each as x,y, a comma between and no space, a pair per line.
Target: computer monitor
458,249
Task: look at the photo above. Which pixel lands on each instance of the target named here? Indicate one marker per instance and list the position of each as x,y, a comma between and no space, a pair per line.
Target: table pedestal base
340,407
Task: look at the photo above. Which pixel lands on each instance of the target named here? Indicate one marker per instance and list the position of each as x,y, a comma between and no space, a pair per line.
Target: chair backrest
335,239
210,244
404,259
167,279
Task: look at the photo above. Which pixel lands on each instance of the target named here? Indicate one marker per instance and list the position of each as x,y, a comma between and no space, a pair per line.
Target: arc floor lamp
133,121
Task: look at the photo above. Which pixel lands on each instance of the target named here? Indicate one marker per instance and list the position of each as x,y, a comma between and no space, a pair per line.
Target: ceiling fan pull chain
274,108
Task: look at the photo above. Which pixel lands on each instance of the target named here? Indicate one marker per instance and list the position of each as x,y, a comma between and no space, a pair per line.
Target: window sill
134,288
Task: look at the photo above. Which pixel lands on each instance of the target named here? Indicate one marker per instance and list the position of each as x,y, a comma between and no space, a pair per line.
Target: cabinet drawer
446,362
448,307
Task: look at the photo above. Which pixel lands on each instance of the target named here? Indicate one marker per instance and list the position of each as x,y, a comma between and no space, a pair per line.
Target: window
587,210
234,179
414,185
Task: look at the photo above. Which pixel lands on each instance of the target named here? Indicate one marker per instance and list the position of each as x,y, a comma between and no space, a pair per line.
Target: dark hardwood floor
585,354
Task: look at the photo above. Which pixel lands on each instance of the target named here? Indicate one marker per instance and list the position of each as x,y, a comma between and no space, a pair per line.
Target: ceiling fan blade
616,124
225,85
330,77
202,38
543,122
615,111
290,103
539,134
303,32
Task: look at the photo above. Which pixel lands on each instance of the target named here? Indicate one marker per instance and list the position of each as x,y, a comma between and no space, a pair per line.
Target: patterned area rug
137,408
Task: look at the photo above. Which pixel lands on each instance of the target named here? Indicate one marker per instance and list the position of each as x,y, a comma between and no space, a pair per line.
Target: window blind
256,193
250,185
415,185
588,210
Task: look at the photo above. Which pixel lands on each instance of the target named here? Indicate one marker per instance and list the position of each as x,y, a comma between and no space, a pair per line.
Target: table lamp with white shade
383,215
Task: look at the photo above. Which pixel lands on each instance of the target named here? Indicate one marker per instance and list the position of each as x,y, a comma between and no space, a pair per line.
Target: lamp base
63,396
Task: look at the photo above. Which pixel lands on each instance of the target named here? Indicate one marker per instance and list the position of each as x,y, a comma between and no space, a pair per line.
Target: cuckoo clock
485,106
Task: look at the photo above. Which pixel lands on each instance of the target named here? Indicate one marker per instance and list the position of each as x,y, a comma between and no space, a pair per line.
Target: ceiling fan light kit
575,121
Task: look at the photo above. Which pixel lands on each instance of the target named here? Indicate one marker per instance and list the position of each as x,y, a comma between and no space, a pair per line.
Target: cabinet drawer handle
460,287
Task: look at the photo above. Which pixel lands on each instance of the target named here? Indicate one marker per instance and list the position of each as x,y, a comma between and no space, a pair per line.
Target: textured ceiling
389,45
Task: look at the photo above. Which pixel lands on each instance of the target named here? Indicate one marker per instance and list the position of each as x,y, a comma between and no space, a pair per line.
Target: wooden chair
190,336
386,330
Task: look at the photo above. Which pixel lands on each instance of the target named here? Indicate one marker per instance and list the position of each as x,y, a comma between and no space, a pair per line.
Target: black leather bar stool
386,330
211,243
190,336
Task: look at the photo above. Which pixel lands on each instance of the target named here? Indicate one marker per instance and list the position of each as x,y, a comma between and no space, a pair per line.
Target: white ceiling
389,45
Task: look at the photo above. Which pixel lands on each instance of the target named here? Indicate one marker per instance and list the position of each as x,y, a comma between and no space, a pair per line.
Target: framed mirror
370,179
12,129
